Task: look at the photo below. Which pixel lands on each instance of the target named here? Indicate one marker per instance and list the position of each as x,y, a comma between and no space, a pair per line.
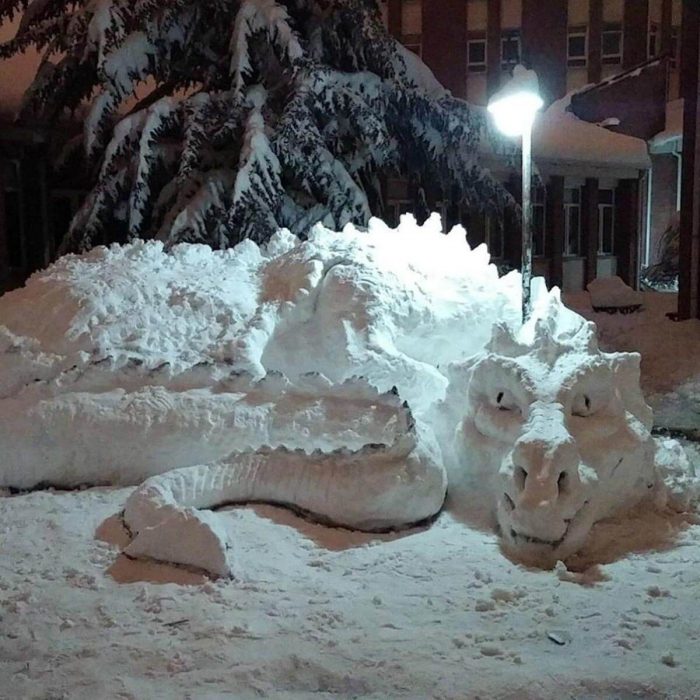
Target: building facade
621,59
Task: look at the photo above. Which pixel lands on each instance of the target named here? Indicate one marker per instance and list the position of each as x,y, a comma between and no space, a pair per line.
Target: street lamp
514,108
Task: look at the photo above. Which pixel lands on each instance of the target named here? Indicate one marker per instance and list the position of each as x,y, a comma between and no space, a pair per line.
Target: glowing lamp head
515,106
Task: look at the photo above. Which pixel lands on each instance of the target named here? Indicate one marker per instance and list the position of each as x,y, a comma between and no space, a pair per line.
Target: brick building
594,215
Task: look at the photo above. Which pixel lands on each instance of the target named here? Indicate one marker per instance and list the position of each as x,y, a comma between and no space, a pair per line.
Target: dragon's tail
375,487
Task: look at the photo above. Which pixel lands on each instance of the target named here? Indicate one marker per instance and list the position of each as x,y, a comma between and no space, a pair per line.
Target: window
572,221
494,238
612,44
476,55
653,45
510,49
606,222
539,220
577,46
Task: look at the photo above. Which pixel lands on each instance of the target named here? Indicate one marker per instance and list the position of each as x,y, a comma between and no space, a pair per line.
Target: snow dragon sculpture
232,377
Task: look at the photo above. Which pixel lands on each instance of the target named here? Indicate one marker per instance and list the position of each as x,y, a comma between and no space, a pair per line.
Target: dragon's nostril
520,476
562,482
510,504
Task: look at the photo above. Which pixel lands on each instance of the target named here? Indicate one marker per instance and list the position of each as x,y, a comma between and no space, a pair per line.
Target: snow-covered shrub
250,115
663,276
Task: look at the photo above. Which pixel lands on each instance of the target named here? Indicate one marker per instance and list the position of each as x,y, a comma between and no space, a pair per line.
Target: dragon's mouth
522,538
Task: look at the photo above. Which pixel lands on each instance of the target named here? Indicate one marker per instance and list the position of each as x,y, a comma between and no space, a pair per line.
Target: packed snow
435,610
611,294
560,136
233,377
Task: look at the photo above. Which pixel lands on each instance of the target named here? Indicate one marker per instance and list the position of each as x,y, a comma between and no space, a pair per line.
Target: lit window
510,49
476,55
577,46
611,44
572,221
606,222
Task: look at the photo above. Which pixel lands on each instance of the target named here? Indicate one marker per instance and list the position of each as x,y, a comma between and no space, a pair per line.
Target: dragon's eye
505,401
582,406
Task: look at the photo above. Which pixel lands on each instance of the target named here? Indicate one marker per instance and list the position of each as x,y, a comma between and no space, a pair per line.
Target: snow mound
612,293
333,303
149,359
134,303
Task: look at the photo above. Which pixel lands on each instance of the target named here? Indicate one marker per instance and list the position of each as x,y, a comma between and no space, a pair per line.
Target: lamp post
514,108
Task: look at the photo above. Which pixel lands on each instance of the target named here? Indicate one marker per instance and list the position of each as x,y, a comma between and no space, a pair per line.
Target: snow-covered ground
433,612
437,612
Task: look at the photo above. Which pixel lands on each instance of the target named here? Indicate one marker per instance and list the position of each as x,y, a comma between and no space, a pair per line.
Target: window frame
602,208
477,66
577,61
612,58
568,248
507,37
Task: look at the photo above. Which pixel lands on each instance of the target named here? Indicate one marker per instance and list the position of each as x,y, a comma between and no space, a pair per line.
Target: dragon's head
557,428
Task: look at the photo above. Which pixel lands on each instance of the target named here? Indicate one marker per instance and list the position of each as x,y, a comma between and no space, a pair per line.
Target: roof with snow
561,137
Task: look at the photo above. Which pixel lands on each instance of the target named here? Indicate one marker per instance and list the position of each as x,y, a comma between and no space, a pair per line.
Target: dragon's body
274,374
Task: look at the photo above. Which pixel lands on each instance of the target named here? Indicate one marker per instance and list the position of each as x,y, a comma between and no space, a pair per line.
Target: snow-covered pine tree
217,120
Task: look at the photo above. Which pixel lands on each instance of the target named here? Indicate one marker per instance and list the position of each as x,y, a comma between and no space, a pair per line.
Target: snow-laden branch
345,108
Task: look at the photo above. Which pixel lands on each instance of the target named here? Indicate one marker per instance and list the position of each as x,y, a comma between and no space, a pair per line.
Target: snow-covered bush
663,276
250,115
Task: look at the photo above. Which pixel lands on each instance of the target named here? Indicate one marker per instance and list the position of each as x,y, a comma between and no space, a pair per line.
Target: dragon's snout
544,487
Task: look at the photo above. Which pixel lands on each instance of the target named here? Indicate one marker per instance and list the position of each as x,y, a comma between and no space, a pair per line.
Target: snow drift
239,370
